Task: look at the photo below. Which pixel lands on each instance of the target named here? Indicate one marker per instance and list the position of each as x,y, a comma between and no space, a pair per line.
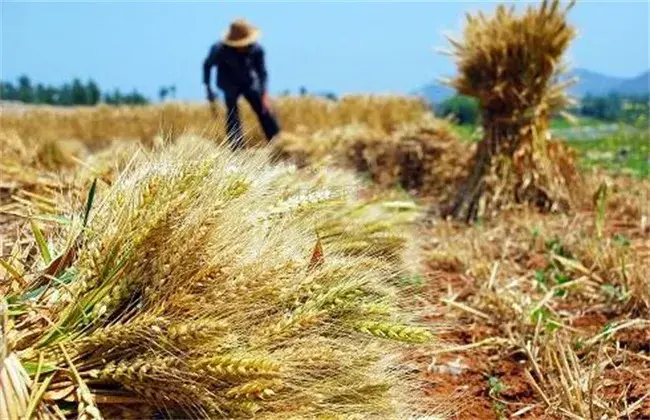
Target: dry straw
512,64
422,156
96,127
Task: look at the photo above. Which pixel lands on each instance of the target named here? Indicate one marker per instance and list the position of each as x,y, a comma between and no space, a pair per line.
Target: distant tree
25,90
51,95
167,91
607,108
74,93
133,98
114,98
635,110
162,93
592,106
39,94
138,99
464,109
93,94
614,107
78,92
303,91
329,95
65,96
8,91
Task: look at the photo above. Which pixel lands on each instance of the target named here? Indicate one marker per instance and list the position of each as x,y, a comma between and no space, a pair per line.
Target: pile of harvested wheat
423,157
210,284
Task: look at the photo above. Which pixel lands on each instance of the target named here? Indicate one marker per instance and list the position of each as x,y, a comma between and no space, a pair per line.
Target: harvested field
530,314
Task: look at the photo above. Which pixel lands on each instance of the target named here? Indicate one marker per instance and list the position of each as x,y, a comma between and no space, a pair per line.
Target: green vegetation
463,109
622,149
621,153
614,108
560,123
591,110
467,132
626,150
68,94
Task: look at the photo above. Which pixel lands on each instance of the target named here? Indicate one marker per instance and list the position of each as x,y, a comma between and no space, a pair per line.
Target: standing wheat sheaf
512,65
179,300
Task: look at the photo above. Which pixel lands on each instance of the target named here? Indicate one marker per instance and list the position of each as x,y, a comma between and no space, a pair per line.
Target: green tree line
615,107
610,108
67,94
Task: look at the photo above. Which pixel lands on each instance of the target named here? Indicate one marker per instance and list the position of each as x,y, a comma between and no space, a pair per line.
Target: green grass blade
53,218
11,270
89,201
42,243
32,368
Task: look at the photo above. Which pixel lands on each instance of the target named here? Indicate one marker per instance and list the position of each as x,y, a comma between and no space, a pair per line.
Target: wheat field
148,271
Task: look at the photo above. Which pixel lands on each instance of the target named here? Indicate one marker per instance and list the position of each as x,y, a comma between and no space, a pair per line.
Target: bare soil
491,382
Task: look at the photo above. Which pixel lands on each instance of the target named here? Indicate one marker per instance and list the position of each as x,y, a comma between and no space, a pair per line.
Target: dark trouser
233,124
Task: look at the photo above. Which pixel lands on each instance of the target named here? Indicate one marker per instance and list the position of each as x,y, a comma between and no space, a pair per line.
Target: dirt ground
483,371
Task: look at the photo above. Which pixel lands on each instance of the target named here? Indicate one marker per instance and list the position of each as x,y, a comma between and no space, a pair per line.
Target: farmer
241,71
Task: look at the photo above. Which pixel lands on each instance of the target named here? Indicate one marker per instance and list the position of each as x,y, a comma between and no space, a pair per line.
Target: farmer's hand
210,94
266,102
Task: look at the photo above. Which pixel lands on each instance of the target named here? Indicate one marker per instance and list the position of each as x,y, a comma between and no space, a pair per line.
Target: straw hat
240,34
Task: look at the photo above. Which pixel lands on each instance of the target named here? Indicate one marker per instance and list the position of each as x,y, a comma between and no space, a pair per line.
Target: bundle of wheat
424,156
207,283
511,64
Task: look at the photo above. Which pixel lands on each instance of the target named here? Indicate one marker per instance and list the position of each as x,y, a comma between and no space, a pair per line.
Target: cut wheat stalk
465,308
492,341
627,324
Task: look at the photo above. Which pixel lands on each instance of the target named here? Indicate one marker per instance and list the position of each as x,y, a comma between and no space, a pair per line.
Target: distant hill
590,82
636,85
598,84
435,93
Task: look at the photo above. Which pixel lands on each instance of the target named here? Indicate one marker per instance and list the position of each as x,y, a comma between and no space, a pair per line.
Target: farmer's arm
208,63
260,68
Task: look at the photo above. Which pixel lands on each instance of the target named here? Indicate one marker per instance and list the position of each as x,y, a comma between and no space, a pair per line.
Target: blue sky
326,46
